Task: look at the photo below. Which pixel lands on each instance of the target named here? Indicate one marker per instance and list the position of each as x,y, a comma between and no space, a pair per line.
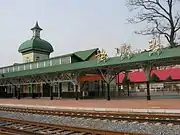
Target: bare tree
160,16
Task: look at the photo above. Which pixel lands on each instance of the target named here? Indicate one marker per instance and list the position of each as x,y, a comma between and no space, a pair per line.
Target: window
37,58
27,59
65,60
55,89
70,86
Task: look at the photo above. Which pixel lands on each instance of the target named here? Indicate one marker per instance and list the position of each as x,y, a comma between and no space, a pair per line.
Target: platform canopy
168,56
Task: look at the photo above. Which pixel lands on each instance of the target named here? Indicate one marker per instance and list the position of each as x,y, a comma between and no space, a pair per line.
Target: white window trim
70,59
30,65
37,65
4,70
44,63
50,62
67,60
59,60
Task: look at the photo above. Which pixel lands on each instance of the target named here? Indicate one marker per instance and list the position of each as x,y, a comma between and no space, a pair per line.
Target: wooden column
102,88
128,88
32,90
14,91
76,90
58,90
18,92
147,70
41,89
108,75
127,81
108,91
118,84
51,91
148,91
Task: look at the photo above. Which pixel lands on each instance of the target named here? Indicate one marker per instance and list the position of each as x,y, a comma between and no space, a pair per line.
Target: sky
69,25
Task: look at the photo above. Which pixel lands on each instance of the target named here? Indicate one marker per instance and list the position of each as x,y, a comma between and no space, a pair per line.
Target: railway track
10,126
140,117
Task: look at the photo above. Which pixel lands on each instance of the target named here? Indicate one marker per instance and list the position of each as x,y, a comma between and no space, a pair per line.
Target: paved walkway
156,105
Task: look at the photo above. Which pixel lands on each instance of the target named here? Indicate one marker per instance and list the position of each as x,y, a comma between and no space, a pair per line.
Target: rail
16,126
140,117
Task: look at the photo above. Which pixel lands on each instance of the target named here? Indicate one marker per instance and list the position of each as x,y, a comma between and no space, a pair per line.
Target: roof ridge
84,55
86,50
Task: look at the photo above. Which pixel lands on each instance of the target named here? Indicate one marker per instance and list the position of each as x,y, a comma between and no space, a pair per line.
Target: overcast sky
69,25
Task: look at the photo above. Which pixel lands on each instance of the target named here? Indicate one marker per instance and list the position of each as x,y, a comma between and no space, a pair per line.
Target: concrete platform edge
145,110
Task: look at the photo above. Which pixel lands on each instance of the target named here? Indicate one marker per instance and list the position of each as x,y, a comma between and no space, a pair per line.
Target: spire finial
36,26
36,30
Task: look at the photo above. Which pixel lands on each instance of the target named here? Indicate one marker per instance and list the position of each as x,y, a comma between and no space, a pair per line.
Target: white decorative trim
37,65
30,65
70,59
4,70
59,60
154,47
50,62
101,56
124,51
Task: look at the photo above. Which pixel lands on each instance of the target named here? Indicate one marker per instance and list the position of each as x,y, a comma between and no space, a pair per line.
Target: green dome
36,44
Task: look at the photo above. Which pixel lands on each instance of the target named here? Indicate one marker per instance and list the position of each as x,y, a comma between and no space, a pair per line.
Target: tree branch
159,17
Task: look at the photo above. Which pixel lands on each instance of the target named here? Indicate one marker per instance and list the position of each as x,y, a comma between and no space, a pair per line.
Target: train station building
89,73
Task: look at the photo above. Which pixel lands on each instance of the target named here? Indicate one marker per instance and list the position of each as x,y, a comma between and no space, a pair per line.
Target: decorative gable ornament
137,51
124,51
154,47
101,55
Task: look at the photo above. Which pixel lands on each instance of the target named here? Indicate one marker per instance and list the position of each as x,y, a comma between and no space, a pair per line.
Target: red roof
139,76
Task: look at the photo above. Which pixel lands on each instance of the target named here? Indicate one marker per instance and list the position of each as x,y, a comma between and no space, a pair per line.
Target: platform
137,105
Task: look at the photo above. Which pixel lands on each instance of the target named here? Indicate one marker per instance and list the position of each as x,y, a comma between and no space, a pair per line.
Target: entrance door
3,92
46,90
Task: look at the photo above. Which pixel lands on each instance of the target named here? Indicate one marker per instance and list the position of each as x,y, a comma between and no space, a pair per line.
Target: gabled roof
135,77
139,76
84,55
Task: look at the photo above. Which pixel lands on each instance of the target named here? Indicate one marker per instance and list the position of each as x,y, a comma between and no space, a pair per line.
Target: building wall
30,57
93,57
75,59
41,56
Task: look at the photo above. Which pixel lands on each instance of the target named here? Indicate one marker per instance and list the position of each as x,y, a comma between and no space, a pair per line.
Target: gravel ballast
122,126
